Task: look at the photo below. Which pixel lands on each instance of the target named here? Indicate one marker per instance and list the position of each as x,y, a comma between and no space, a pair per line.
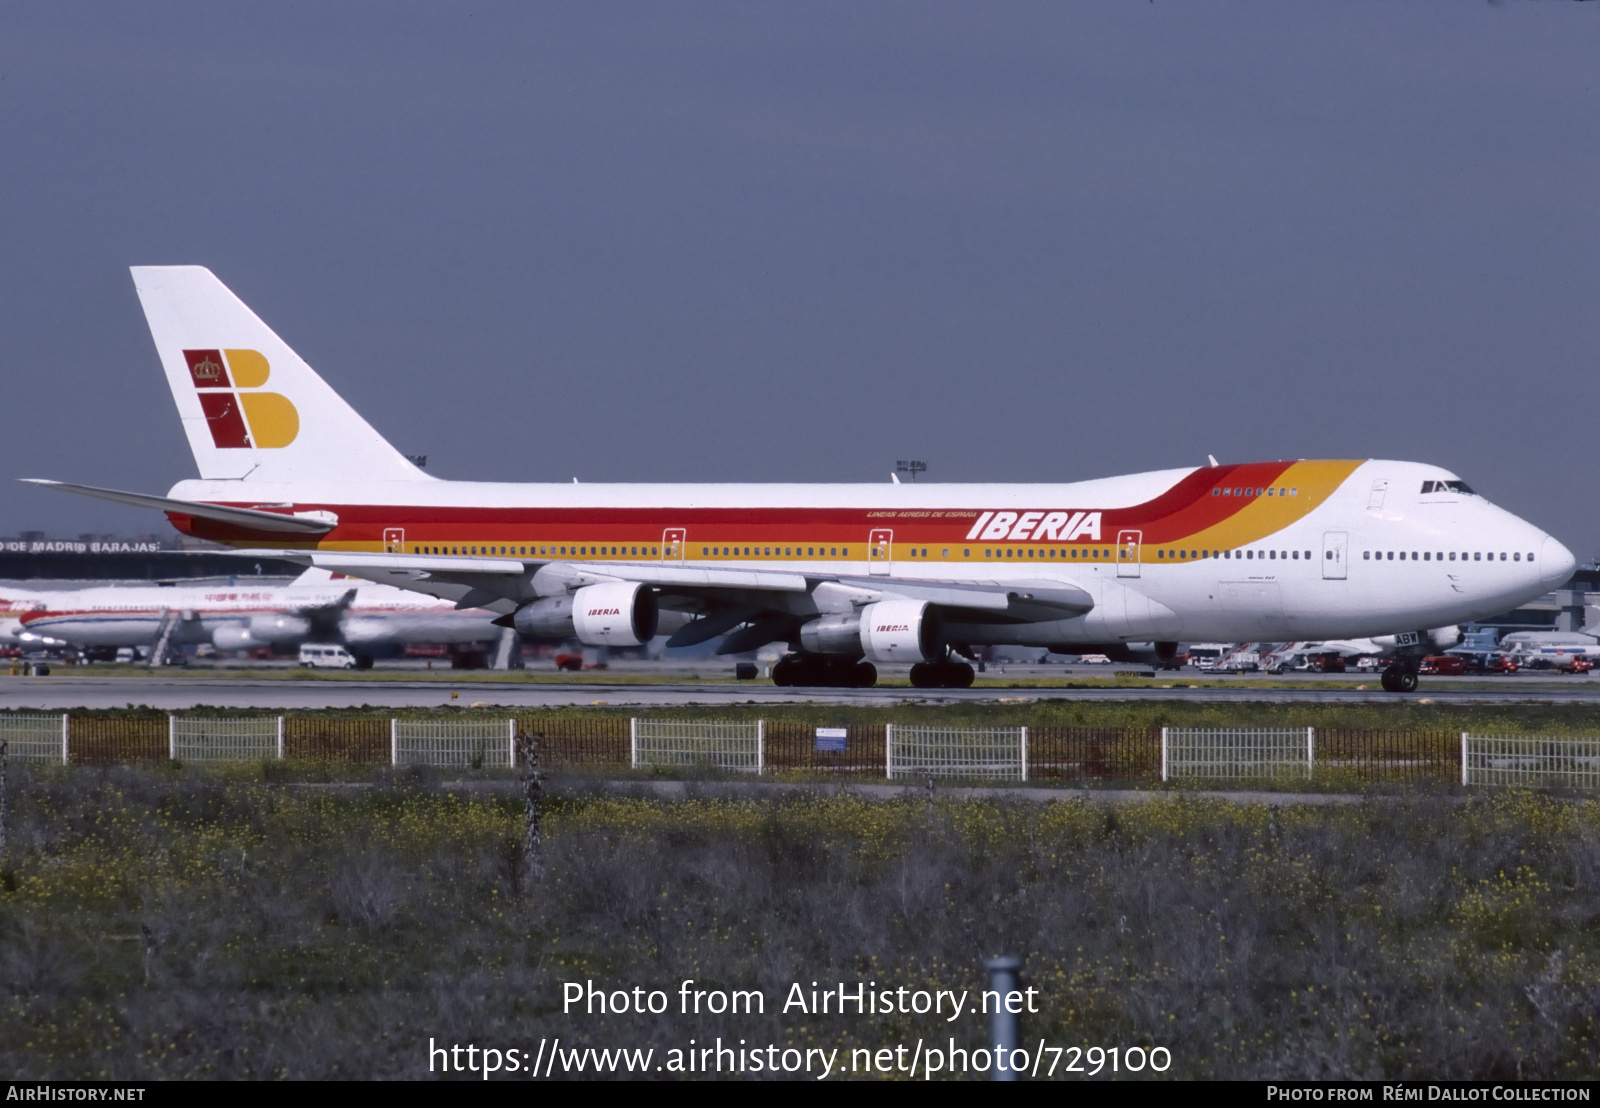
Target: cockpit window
1447,486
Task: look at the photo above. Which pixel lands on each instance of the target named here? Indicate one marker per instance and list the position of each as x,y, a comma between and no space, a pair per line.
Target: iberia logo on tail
240,416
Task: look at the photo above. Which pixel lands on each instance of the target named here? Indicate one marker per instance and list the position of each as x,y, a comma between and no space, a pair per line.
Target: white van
326,656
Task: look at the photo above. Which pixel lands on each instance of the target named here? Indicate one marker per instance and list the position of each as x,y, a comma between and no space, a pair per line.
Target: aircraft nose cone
1556,563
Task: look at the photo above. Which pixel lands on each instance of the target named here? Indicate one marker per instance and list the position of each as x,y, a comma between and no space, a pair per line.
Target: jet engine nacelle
888,631
279,628
547,618
260,631
616,614
620,614
235,636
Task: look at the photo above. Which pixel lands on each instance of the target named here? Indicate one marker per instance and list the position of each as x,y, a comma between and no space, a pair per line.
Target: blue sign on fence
832,738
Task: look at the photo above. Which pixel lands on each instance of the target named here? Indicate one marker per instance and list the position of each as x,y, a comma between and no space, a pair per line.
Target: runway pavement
157,690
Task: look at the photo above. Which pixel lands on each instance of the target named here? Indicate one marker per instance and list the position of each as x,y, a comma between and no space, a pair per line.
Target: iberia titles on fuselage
881,572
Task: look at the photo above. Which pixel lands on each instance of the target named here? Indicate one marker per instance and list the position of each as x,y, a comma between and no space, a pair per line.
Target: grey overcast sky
795,242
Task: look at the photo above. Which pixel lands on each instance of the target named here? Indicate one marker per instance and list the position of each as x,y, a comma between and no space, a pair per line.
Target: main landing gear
948,674
1400,678
813,670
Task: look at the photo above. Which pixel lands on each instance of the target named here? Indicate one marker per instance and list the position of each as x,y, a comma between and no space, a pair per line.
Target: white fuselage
1299,550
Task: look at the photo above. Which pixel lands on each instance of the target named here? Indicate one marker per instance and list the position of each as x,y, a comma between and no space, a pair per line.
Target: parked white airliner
885,573
318,606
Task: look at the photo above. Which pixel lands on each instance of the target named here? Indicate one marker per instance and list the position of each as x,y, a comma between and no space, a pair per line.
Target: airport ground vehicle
1242,659
327,656
1447,665
1573,664
844,574
1489,663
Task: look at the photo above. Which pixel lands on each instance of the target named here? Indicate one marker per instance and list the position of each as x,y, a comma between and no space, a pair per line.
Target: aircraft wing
725,596
308,523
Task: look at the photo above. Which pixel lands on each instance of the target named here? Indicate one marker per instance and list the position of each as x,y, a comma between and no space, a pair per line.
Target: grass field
170,923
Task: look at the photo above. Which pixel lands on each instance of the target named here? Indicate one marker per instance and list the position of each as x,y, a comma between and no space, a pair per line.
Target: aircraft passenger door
394,540
1333,555
880,551
1128,553
1379,490
673,540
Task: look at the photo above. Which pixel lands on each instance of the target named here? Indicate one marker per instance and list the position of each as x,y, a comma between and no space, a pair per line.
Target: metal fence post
63,738
172,737
280,738
1464,781
1310,750
394,742
511,743
1004,1026
1024,755
761,747
888,751
633,743
1163,754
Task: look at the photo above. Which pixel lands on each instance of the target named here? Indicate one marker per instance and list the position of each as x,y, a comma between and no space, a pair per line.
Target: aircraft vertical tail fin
251,407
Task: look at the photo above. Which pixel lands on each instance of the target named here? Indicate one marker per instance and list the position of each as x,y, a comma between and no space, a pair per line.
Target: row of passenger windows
1440,556
989,552
775,552
536,551
1255,492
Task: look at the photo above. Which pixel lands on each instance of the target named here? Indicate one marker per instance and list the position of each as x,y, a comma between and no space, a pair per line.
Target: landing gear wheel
813,671
942,675
1399,679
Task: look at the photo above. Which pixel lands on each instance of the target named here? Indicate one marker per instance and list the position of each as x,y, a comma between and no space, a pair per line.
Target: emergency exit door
672,541
1128,553
880,551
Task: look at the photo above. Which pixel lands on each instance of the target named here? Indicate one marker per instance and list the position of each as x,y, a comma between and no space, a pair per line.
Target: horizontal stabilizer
319,523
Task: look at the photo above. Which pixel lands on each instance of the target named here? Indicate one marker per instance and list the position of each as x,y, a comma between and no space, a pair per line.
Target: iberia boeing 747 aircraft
846,575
